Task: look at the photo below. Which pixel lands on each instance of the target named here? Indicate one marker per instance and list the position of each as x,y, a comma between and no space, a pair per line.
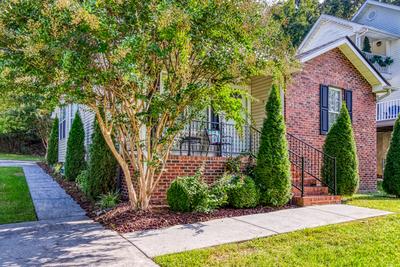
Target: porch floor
181,238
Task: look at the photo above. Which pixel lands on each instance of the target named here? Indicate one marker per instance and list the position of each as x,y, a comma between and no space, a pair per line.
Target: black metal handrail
311,161
316,163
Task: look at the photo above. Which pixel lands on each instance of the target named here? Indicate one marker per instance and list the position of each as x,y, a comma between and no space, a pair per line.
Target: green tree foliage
341,8
120,53
273,166
52,149
102,170
391,177
340,143
367,45
75,158
393,2
297,18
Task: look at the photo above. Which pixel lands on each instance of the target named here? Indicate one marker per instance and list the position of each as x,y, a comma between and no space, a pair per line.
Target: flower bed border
124,220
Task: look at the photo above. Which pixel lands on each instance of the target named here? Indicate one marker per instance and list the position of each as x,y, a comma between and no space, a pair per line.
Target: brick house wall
184,166
303,113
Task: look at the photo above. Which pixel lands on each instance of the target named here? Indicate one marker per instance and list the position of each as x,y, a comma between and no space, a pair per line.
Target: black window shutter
323,105
348,97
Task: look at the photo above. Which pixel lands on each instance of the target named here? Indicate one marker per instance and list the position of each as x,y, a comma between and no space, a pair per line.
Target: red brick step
316,200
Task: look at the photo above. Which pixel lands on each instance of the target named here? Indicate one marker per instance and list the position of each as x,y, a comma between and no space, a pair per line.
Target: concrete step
316,200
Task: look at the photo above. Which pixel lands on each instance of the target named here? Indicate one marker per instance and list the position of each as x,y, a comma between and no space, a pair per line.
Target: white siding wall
385,19
395,67
87,117
260,90
327,32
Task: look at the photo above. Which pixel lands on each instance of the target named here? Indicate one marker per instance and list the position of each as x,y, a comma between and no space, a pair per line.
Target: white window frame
62,123
332,88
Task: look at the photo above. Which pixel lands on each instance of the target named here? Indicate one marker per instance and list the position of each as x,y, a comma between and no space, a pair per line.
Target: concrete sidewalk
216,232
63,236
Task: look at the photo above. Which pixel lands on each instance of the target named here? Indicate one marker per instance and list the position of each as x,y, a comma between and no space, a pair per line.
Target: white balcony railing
383,69
387,110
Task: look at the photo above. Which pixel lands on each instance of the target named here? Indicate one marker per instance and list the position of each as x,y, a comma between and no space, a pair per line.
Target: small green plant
57,168
109,200
52,148
82,181
188,193
233,164
218,192
243,192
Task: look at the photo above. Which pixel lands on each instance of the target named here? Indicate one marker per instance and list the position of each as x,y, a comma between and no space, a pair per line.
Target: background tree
102,168
75,159
272,172
24,121
341,8
340,143
52,151
152,66
391,176
297,18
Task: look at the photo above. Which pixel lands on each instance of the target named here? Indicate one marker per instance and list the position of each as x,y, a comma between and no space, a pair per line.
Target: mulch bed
122,219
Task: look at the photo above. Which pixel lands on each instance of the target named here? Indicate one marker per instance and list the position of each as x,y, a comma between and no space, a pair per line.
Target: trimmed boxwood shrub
188,194
75,159
272,171
243,192
102,169
52,148
391,176
340,143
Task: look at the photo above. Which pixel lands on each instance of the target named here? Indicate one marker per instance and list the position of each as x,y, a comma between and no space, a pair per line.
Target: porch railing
373,58
206,138
224,139
387,110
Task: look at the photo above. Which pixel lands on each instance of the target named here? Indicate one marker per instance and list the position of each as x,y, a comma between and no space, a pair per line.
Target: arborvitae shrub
340,143
272,171
102,170
391,175
52,148
75,160
367,45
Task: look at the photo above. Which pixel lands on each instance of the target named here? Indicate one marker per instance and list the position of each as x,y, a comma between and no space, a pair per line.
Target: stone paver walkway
63,236
216,232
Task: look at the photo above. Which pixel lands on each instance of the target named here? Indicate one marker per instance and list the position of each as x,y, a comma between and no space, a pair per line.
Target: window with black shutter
348,98
330,105
323,103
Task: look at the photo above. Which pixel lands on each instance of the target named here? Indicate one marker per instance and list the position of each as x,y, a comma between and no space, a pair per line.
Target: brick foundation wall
184,166
303,113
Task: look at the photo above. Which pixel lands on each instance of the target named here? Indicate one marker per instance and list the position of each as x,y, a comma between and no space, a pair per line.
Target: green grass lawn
370,242
20,157
15,200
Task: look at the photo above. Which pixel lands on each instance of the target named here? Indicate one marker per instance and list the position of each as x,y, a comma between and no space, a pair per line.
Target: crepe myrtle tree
151,65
